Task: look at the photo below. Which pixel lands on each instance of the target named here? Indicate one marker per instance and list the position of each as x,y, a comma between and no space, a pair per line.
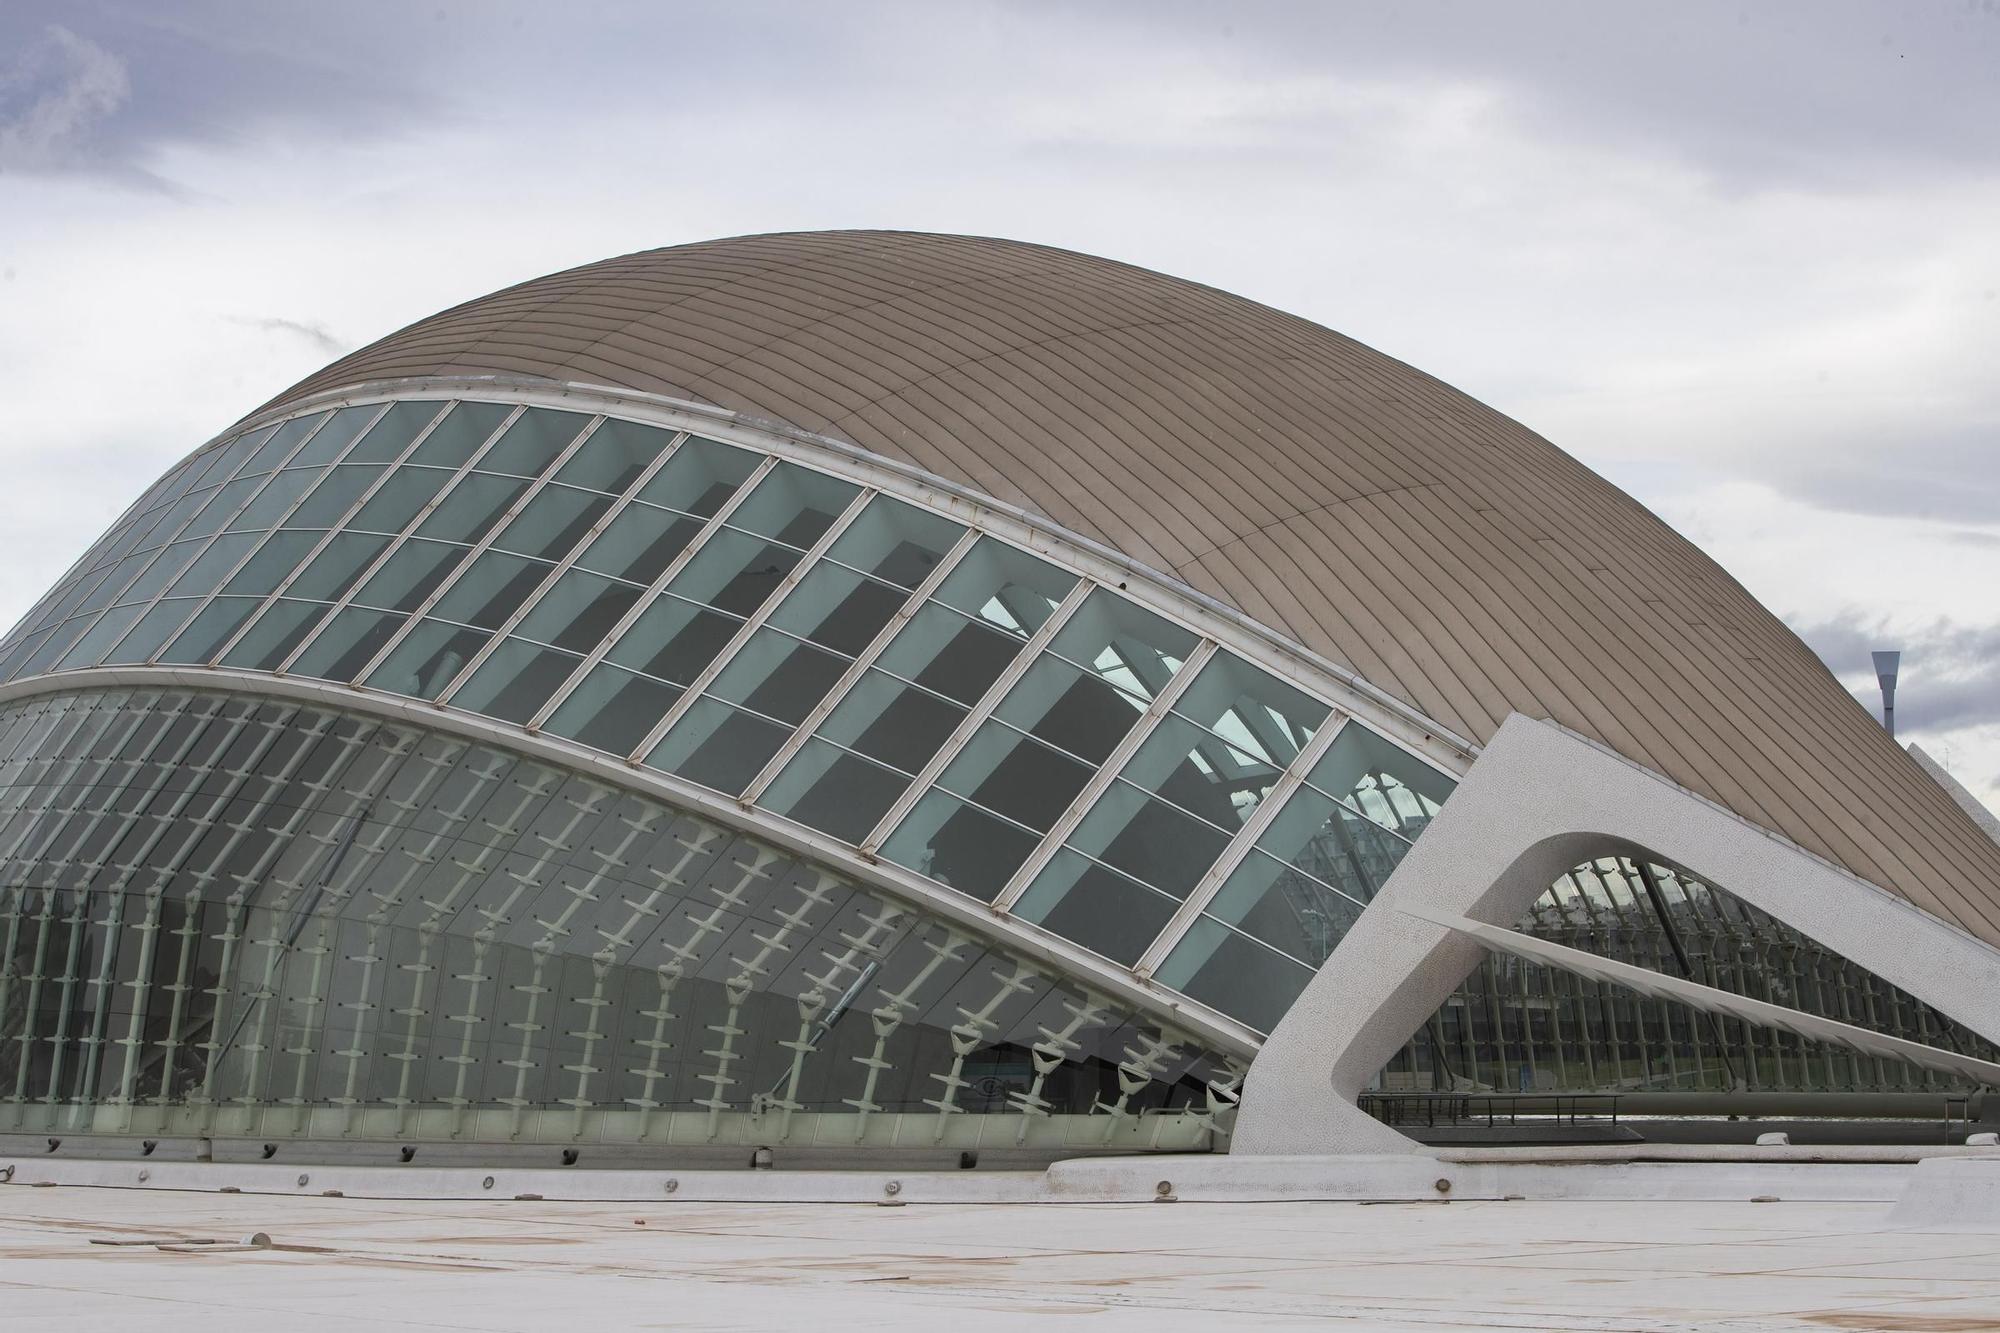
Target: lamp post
1886,664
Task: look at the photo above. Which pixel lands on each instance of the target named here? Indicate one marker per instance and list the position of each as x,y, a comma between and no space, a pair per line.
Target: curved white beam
1539,801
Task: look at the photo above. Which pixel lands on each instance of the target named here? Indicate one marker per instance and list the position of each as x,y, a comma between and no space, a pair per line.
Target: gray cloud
317,335
1950,677
54,98
1944,478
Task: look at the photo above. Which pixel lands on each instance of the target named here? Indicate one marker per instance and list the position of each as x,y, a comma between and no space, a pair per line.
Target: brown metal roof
1441,550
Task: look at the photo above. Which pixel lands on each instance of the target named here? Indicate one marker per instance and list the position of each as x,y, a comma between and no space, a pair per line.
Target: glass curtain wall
227,915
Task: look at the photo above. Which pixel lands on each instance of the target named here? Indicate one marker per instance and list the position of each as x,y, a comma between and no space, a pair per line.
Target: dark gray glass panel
778,676
429,659
793,505
838,608
334,436
943,651
552,523
1076,710
334,496
1096,907
839,793
348,643
491,589
277,632
639,544
206,574
393,433
413,573
110,627
613,709
1006,587
401,498
1147,839
735,572
272,503
899,724
614,456
161,620
578,611
673,640
333,571
1226,971
1015,775
700,477
960,847
211,629
515,681
465,428
896,542
471,508
533,442
718,746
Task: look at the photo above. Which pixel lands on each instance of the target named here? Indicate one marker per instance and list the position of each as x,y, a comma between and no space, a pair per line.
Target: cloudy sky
1742,258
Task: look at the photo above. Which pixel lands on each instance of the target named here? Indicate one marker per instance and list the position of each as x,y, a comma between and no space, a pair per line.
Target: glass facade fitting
224,915
1515,1025
784,637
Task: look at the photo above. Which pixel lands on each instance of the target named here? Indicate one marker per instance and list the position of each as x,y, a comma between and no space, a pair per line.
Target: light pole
1886,664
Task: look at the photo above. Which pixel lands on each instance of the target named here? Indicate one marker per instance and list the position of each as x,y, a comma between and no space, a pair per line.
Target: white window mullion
1106,773
856,669
1240,846
1024,657
750,626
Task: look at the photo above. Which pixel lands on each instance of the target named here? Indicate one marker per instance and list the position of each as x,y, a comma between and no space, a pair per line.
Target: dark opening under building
932,695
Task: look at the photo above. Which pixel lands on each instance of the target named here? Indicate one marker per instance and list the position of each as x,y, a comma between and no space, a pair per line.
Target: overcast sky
1744,259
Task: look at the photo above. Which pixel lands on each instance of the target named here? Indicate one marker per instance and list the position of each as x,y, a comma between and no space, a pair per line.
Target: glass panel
553,522
793,505
515,681
639,544
1323,838
491,589
700,477
578,612
1020,778
222,507
472,508
335,436
1293,912
348,643
1225,971
1200,773
205,574
334,570
895,541
165,567
1077,710
270,452
282,628
1382,780
411,574
614,456
1091,905
838,608
210,630
673,640
280,493
460,434
393,433
533,442
826,788
896,723
718,746
735,572
161,620
1262,716
90,649
1006,587
943,651
613,709
778,676
1128,647
960,847
333,497
1148,840
428,660
402,497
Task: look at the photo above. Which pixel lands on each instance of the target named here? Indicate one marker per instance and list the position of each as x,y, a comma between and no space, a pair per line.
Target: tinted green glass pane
533,442
639,544
960,847
515,681
276,633
1226,971
614,456
613,709
333,571
838,608
465,428
888,720
471,508
429,659
944,651
393,433
491,589
1006,587
1014,775
673,640
1096,907
718,746
826,788
549,525
578,611
1295,913
1382,780
334,496
401,498
793,505
413,573
896,542
348,643
700,477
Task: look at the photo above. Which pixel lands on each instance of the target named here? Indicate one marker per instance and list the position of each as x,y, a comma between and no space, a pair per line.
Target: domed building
933,697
